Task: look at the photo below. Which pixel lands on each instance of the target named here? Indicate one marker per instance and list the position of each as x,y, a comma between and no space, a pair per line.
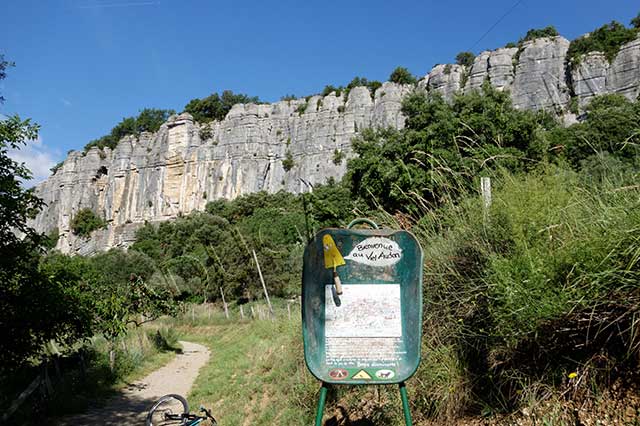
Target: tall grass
543,283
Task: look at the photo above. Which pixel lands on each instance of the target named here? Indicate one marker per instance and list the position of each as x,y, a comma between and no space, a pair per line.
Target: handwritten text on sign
376,251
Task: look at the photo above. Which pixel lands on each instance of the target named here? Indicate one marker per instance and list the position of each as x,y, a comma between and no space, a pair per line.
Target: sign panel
362,315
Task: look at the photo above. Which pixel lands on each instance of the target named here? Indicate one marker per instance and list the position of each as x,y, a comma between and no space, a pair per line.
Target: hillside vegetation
531,305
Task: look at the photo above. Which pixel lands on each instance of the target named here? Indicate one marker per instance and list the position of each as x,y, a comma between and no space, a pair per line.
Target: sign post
362,308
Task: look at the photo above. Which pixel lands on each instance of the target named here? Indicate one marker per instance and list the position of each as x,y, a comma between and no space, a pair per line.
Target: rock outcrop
184,165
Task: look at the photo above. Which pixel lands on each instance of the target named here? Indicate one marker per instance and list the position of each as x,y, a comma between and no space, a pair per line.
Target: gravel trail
130,406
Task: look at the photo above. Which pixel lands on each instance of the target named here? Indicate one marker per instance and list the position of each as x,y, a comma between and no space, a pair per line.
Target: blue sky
83,65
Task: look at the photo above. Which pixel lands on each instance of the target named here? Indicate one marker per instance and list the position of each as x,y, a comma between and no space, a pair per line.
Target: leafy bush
288,162
607,39
149,120
465,58
635,22
300,109
338,156
57,167
288,98
215,106
444,147
611,125
511,293
402,75
85,222
537,33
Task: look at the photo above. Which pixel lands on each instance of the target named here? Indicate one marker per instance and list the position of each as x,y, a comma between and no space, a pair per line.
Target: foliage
329,89
33,308
511,293
537,33
215,106
635,22
288,161
85,222
301,108
607,39
149,120
444,147
611,125
372,85
288,98
465,58
57,167
402,75
4,64
338,156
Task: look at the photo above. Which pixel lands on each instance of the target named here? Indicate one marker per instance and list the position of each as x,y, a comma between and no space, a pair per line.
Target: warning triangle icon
361,375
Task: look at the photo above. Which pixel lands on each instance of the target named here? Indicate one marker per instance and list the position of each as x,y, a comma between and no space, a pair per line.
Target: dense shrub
444,147
215,106
402,75
536,33
511,293
149,120
288,161
85,222
607,39
611,125
465,58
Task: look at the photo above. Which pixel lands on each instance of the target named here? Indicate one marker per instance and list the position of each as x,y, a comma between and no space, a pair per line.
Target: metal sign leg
321,402
405,405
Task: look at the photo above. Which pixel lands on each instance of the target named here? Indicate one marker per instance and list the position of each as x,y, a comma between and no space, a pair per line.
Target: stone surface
495,66
446,79
589,77
623,75
184,165
176,170
540,80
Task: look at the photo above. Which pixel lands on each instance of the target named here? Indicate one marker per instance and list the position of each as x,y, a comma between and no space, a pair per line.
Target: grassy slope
256,374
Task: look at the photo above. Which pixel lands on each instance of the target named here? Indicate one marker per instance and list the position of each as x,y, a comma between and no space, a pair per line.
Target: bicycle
173,409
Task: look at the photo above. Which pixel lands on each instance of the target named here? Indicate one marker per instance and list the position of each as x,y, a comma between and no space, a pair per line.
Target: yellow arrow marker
332,259
361,375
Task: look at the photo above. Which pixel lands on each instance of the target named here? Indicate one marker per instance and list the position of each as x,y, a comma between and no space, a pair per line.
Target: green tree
444,147
149,120
33,308
608,38
465,58
536,33
402,75
635,22
215,106
85,222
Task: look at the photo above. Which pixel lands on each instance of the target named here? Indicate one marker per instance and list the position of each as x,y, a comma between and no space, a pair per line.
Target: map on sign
363,310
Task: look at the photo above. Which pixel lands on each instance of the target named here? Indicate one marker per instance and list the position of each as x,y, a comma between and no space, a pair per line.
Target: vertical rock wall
184,165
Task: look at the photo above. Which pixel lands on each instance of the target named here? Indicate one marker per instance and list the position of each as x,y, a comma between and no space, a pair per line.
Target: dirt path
132,404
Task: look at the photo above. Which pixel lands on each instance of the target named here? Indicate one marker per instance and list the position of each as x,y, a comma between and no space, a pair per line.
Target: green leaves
443,147
149,120
215,106
85,222
607,39
402,75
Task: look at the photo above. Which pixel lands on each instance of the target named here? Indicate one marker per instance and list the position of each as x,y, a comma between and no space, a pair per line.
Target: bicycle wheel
168,410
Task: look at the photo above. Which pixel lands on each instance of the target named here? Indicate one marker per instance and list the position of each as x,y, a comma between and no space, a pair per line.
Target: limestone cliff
184,165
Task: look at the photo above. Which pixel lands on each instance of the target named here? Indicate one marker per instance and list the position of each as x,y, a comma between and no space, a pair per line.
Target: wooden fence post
264,287
224,303
241,312
485,188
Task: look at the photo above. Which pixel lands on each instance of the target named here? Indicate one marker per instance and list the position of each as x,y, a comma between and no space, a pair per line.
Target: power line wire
496,23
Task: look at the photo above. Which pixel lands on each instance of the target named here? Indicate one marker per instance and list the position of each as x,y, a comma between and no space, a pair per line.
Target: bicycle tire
170,409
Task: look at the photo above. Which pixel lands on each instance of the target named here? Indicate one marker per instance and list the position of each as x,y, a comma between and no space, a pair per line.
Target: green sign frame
362,317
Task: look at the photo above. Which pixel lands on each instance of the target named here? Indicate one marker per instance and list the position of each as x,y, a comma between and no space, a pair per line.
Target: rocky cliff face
183,166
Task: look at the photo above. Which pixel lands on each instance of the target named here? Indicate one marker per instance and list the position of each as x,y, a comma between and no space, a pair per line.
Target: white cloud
37,157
